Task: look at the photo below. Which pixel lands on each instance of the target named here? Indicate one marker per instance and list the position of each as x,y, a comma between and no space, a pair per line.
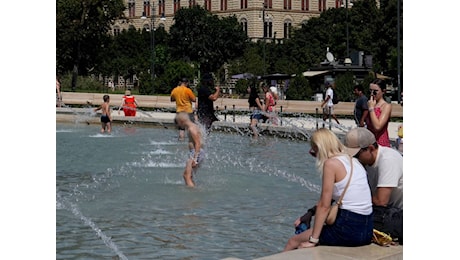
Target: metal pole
399,56
264,32
348,46
153,46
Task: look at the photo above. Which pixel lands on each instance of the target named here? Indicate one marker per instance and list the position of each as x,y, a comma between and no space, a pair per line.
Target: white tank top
358,195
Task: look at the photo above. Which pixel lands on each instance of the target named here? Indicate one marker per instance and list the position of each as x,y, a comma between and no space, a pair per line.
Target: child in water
106,119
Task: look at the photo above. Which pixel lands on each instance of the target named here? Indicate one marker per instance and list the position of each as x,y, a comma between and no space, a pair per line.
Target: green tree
299,88
344,85
81,32
174,72
209,41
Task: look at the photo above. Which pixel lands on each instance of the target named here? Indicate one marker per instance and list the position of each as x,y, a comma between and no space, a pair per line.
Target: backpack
335,98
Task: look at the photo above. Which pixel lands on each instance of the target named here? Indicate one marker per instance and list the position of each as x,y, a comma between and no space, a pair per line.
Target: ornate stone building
259,18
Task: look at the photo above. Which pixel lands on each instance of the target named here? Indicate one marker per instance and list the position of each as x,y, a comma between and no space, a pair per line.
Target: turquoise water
122,196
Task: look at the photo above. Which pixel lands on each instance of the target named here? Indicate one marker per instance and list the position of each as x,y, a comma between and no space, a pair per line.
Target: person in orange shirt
183,96
128,104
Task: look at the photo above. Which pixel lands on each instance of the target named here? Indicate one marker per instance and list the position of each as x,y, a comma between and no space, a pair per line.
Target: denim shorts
349,229
257,114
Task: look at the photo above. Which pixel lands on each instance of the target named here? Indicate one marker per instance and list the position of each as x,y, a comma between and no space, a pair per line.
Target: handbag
332,215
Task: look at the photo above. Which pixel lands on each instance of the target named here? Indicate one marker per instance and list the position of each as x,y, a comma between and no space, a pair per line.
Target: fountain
124,196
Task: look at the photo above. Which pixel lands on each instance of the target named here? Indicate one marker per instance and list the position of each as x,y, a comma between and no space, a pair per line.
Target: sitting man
384,166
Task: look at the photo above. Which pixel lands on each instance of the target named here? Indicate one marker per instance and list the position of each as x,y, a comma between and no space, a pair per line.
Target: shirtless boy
105,117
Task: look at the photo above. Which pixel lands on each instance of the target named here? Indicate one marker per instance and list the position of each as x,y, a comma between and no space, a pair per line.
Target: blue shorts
257,114
201,156
349,229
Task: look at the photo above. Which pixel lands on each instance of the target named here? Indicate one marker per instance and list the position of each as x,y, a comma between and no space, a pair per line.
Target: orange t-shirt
183,96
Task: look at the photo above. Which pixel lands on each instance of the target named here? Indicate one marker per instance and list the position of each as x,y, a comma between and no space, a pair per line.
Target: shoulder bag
332,215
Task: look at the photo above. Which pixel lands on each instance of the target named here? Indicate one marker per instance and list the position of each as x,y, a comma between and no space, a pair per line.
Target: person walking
183,96
379,112
328,105
58,93
205,110
353,225
196,145
270,104
129,104
361,110
256,108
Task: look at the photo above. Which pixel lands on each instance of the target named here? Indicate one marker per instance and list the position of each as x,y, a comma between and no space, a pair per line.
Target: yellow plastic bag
381,238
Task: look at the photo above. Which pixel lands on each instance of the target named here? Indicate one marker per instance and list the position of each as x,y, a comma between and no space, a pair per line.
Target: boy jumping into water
195,144
106,118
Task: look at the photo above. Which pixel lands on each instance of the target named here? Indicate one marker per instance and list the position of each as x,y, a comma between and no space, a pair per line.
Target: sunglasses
359,153
373,92
312,152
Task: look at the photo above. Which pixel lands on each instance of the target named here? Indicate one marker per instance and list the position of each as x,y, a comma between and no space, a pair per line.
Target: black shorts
105,119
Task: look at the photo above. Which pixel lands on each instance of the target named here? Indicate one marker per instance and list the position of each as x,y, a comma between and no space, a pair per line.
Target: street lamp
346,7
152,43
265,32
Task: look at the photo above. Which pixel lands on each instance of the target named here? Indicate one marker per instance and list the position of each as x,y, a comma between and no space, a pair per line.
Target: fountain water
124,196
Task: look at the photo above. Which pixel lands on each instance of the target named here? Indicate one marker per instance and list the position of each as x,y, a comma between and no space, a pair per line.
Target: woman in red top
128,104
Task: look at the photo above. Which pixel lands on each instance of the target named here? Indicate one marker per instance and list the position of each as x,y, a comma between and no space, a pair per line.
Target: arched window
268,28
146,27
131,8
244,25
146,11
287,29
116,30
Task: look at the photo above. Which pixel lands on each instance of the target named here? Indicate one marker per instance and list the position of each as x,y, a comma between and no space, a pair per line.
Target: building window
223,5
146,11
244,4
146,27
268,3
191,3
244,25
161,7
131,8
268,29
176,5
207,5
116,30
305,5
287,4
321,5
287,29
338,3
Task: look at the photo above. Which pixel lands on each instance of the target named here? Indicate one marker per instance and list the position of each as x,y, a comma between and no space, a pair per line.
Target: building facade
261,19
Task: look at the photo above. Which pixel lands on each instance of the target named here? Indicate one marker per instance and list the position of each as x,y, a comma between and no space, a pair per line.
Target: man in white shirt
328,110
384,166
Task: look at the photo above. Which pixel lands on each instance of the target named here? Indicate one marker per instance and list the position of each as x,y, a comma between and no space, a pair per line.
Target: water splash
63,204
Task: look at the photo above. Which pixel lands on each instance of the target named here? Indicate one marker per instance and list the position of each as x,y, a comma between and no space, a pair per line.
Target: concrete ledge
147,101
370,252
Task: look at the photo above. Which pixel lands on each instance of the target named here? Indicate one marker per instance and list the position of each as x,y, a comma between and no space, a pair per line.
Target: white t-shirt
358,195
330,92
387,171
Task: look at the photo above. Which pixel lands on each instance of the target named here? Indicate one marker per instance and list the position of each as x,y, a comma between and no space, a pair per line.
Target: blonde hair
328,145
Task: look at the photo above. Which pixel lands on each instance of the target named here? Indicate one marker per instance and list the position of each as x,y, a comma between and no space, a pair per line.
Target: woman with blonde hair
354,223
